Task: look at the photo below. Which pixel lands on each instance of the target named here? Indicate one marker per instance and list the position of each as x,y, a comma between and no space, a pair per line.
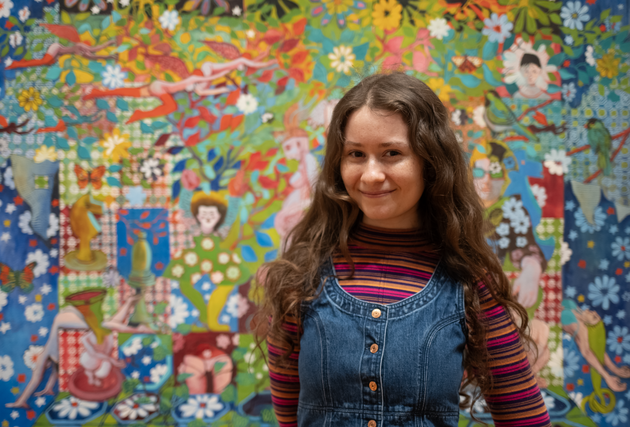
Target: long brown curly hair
450,212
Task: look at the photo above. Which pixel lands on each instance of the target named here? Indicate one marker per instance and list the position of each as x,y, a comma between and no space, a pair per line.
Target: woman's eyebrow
382,144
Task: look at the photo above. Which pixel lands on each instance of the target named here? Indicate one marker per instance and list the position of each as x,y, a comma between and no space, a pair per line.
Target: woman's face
380,171
531,72
208,217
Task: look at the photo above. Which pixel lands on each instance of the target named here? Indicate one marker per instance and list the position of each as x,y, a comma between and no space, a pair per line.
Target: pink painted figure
206,377
199,83
96,361
295,144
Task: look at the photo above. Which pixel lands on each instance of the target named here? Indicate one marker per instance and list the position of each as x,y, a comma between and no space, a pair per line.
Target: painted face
591,318
208,217
294,147
489,180
531,72
380,171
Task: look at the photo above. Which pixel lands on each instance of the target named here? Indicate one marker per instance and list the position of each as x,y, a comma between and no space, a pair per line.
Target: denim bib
363,364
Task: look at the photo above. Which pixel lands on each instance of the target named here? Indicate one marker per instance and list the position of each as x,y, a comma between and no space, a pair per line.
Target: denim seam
426,346
321,346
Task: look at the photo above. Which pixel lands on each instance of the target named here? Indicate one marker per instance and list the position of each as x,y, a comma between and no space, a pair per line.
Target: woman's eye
355,154
393,153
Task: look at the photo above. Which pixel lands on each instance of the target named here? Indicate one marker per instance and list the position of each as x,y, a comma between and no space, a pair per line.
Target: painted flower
34,312
113,76
604,291
177,271
608,66
201,406
571,363
512,208
266,117
478,114
233,273
619,415
24,222
137,406
235,258
540,193
133,347
111,278
504,242
565,253
207,243
151,169
30,99
568,91
6,368
237,305
70,407
15,39
512,64
31,355
621,248
158,372
179,311
557,162
95,10
503,229
577,397
521,242
438,28
224,258
569,40
24,14
599,218
3,300
41,259
191,258
169,19
387,14
44,153
217,277
574,15
497,28
223,341
5,8
618,339
588,54
520,224
116,146
341,59
206,265
247,103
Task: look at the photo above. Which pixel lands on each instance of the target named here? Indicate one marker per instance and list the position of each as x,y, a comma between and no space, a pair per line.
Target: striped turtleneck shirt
391,265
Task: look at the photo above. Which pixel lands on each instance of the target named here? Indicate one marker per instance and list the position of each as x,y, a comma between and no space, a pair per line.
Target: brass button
373,348
376,313
373,386
372,423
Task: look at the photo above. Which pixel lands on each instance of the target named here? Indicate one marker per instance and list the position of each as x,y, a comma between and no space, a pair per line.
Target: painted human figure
97,360
200,83
531,70
55,50
513,239
210,368
295,144
587,329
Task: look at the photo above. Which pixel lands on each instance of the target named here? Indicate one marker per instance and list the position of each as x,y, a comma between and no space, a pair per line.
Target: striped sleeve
515,400
284,378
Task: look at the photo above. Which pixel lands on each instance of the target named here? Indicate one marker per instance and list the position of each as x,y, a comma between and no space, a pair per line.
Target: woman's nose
373,172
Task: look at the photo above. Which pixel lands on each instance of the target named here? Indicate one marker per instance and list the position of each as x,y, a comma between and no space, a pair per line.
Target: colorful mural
153,154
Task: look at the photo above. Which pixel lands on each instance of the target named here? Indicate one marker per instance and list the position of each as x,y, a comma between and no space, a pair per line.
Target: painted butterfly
93,176
467,64
23,279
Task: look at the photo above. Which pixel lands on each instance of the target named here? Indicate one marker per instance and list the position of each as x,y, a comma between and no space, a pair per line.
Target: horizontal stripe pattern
393,265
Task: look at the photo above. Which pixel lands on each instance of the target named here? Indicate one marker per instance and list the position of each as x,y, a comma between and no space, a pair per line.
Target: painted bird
500,118
601,143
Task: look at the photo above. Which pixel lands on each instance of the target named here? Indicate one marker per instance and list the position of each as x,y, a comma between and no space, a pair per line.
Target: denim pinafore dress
363,364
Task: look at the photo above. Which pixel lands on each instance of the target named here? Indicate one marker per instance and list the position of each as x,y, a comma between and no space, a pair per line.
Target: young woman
389,290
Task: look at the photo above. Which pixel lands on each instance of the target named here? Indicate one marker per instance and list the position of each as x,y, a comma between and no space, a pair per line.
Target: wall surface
154,153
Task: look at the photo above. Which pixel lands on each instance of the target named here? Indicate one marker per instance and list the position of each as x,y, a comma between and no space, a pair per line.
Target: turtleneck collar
390,240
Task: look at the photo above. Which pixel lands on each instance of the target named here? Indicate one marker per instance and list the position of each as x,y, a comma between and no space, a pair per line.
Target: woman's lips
375,195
